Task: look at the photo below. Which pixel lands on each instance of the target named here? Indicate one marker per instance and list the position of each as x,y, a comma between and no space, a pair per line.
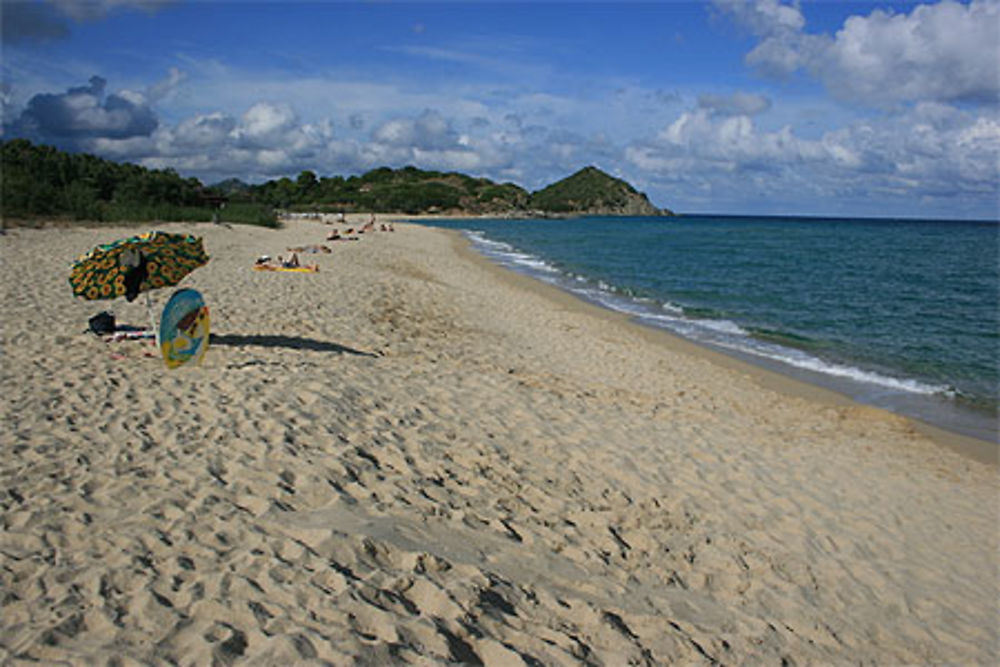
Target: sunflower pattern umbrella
136,264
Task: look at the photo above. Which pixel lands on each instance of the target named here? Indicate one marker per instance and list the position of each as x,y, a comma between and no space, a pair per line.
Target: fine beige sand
412,456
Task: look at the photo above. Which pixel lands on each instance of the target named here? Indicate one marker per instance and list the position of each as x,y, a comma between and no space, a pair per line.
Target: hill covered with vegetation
41,181
384,190
410,190
592,191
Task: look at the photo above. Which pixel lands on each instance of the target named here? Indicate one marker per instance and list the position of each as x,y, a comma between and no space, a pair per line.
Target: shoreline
983,451
414,455
773,374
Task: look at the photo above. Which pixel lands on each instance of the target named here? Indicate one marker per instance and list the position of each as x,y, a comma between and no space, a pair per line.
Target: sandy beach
413,456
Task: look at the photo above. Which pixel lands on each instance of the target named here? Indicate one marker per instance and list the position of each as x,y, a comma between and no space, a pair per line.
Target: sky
758,107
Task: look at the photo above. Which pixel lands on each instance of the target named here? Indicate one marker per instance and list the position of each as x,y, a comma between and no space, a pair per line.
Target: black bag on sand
102,323
134,277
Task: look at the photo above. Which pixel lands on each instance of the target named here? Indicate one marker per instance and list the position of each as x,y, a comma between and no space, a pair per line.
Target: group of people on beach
350,234
369,226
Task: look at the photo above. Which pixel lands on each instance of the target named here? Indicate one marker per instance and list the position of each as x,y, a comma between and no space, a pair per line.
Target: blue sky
731,106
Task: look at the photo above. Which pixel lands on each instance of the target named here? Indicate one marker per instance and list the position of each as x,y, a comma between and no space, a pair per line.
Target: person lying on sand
265,263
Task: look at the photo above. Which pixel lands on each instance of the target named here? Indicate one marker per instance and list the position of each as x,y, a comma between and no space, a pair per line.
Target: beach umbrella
137,264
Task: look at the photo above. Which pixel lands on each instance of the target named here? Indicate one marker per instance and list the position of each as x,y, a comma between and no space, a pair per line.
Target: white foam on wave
533,263
723,326
507,254
726,334
808,362
479,238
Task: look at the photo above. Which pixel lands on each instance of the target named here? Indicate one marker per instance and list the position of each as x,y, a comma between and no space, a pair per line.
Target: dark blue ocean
902,314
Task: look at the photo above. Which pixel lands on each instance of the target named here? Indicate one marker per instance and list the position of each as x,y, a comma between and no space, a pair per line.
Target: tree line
384,190
42,181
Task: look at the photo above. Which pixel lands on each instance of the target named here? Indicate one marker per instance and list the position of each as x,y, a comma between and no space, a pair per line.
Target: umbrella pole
152,318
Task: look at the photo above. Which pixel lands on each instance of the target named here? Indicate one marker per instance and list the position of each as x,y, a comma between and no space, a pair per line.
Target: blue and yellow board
184,326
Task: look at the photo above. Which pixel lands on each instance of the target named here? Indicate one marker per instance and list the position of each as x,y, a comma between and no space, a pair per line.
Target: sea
899,314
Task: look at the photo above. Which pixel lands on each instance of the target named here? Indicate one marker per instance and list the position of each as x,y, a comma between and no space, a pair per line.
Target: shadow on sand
291,342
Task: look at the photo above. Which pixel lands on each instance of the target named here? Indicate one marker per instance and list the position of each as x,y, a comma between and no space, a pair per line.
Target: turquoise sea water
901,314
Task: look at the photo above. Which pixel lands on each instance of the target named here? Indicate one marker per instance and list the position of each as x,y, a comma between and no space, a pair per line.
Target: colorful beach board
184,329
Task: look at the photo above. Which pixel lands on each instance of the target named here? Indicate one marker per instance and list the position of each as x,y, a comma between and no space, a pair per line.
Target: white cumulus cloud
266,125
930,152
205,131
938,52
85,112
429,131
